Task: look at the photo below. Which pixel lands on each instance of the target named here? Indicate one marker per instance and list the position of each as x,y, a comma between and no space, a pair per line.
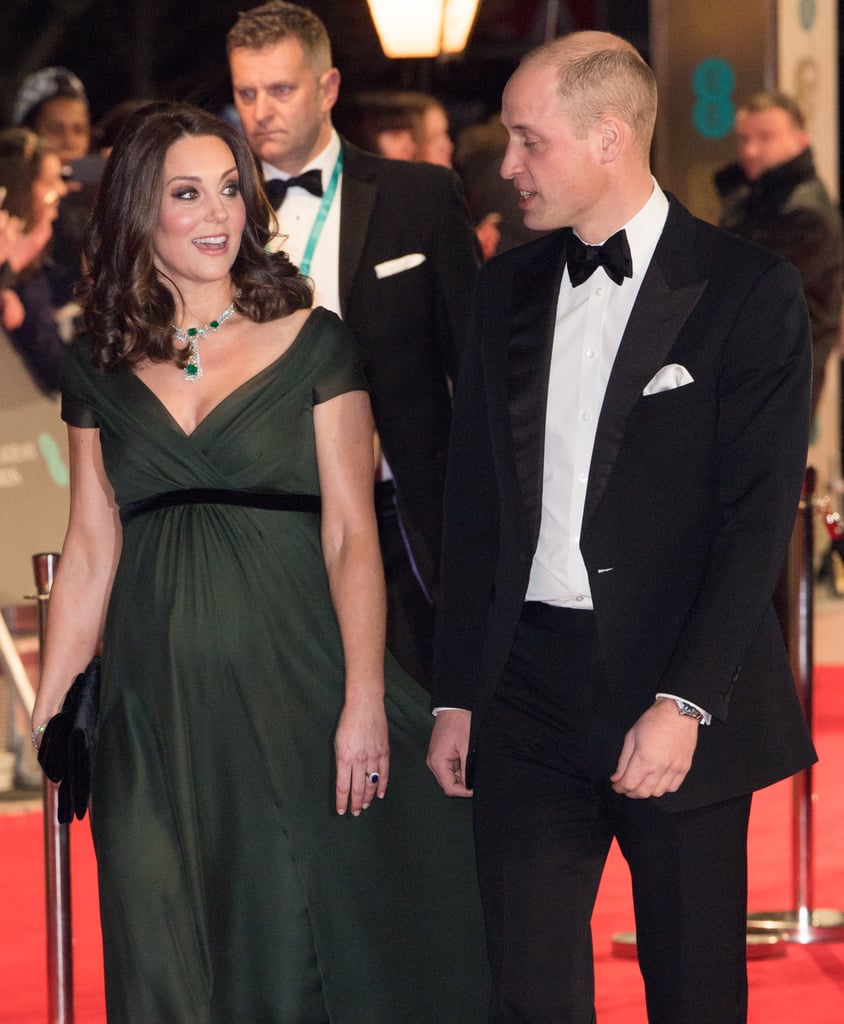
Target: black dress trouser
545,816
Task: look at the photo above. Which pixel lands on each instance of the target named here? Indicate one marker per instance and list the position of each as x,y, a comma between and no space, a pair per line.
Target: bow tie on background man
276,188
613,256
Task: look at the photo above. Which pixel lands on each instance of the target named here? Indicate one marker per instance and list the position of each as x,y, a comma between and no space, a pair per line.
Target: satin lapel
356,205
670,291
530,333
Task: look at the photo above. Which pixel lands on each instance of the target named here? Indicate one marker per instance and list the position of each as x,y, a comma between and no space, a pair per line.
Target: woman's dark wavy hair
128,309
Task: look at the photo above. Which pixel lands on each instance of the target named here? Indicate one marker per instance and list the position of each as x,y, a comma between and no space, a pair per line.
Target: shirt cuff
707,718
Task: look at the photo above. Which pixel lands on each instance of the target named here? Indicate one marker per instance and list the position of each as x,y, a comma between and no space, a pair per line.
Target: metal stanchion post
803,923
56,851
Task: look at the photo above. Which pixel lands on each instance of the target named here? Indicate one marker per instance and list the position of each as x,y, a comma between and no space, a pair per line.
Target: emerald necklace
193,335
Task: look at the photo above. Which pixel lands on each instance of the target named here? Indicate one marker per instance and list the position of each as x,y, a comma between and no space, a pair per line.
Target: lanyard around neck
322,214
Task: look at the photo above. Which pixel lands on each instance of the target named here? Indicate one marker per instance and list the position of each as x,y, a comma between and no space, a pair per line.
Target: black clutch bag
69,744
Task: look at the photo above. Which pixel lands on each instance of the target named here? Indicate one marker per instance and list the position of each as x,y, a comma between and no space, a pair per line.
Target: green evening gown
231,892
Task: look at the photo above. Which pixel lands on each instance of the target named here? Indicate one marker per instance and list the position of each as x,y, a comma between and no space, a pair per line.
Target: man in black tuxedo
628,446
391,248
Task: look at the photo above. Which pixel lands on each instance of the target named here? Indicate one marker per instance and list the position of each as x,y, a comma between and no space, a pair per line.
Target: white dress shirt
590,323
296,219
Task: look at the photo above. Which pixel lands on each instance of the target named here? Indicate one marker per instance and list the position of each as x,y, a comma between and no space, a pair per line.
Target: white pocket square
399,264
669,377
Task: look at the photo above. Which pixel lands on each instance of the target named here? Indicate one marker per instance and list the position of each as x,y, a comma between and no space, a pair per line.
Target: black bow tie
613,256
276,188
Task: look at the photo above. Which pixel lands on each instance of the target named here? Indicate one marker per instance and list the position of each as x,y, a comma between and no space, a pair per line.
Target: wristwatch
688,710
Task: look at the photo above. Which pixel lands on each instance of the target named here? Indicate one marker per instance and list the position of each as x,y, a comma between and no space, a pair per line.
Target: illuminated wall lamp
423,28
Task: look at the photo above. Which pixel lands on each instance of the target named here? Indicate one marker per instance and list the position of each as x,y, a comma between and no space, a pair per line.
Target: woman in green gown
271,848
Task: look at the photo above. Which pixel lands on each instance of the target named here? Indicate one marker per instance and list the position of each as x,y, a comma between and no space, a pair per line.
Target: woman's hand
38,732
82,586
343,428
41,715
361,748
12,313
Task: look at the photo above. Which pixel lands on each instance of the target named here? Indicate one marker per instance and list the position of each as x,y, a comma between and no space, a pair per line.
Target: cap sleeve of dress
341,366
78,392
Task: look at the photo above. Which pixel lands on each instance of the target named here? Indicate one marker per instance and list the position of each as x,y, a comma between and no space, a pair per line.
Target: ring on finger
372,777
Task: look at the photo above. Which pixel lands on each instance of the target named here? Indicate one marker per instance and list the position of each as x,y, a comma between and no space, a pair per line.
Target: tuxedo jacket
690,503
408,258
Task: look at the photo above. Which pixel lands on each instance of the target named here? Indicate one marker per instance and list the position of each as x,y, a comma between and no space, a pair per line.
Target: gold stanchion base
800,926
761,945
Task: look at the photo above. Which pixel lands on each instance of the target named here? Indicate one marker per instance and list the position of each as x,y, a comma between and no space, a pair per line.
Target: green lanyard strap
322,214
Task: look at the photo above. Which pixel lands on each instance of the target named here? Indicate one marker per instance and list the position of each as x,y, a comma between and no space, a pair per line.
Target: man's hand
657,752
448,749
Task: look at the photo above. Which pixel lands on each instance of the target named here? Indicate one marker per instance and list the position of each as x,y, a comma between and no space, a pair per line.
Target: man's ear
613,134
329,83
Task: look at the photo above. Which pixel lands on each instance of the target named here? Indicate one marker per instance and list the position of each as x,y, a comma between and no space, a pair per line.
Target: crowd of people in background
44,223
45,212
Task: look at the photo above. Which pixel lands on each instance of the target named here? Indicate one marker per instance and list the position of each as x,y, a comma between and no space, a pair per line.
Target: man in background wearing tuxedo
627,452
391,249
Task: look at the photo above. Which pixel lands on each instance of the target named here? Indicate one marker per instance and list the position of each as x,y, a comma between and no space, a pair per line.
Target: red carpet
807,984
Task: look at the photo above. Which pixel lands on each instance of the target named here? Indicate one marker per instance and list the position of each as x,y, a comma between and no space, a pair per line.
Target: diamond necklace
193,368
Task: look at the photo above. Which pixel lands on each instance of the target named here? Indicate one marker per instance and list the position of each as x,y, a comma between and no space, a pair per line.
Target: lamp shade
423,28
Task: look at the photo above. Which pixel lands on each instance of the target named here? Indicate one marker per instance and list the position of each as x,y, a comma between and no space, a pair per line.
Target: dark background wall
173,49
170,49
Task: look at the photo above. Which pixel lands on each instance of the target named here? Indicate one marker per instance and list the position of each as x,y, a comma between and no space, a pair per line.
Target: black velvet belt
220,496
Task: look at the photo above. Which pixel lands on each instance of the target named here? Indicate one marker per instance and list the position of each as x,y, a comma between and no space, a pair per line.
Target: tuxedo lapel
672,287
530,331
356,205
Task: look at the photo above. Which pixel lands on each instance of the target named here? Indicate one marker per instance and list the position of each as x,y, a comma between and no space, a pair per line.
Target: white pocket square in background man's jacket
669,377
400,263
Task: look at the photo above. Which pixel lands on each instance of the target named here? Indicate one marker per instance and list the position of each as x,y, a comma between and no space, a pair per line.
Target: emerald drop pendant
193,335
193,369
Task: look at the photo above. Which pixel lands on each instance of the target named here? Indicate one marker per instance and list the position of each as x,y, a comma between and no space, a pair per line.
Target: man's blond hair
272,22
598,74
